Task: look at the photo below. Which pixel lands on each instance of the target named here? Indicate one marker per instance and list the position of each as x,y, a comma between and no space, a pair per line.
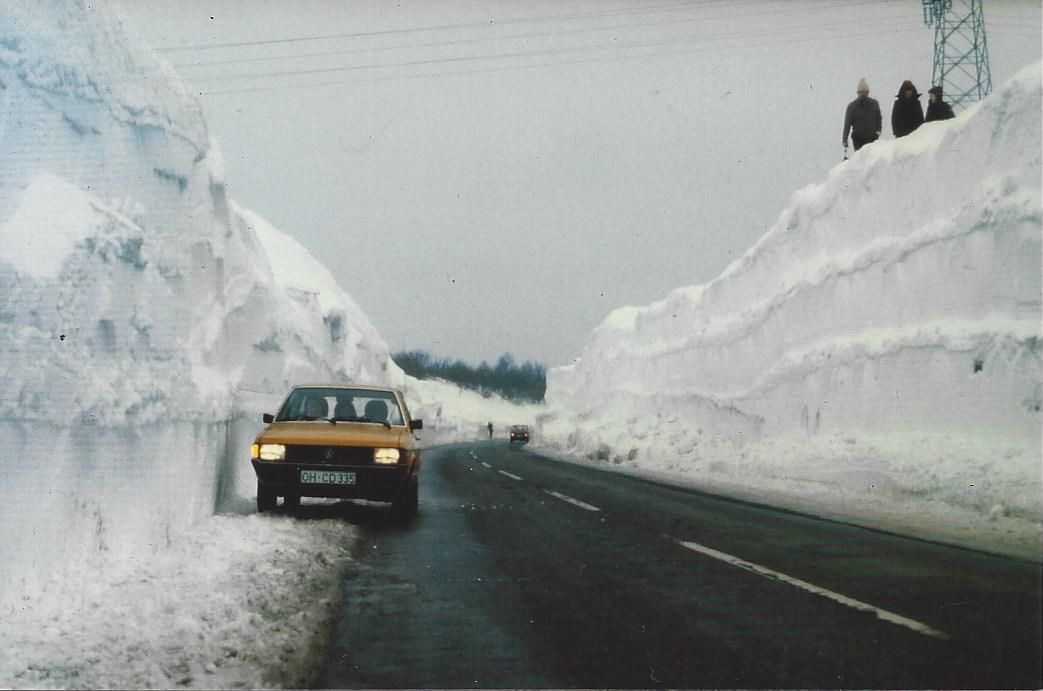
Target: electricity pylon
961,53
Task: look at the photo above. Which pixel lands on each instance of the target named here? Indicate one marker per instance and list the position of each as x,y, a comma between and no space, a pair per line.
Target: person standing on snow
906,113
937,108
862,118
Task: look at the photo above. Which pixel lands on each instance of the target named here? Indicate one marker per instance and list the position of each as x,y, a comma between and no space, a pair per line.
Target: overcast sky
488,177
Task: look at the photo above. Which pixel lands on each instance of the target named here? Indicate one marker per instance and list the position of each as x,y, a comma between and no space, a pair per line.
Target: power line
493,56
441,27
497,56
482,39
505,68
433,44
701,4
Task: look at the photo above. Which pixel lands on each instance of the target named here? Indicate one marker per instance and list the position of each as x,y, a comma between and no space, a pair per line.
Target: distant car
520,433
353,442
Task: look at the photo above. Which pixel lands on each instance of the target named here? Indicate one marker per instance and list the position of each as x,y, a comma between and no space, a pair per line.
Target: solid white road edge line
510,475
487,465
811,588
575,502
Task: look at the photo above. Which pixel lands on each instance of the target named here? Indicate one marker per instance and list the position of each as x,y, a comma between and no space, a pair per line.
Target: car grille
330,455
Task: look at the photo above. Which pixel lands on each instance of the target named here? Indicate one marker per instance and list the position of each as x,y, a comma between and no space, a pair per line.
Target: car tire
408,501
266,498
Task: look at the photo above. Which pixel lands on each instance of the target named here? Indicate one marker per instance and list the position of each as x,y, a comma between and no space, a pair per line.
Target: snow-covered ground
874,357
237,601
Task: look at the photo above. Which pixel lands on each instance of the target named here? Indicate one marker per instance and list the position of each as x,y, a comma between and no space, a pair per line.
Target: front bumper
371,482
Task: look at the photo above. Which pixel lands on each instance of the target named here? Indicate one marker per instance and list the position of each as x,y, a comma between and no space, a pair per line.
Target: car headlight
385,456
268,452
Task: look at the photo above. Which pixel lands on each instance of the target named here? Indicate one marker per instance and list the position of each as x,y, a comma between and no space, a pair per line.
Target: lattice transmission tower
961,53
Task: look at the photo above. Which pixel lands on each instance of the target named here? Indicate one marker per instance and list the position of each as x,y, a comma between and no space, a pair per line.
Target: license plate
327,477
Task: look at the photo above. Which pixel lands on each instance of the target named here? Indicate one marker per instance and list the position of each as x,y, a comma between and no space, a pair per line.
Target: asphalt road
524,572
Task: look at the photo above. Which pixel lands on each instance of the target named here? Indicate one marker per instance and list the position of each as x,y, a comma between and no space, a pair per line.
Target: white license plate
327,477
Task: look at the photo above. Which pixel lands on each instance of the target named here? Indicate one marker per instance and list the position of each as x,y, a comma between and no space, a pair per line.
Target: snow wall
883,337
146,320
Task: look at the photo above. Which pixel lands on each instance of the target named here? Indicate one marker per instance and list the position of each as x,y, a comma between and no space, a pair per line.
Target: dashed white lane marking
510,475
487,465
573,501
812,588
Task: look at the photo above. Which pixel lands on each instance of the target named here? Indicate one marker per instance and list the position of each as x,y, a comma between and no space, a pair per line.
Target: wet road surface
523,572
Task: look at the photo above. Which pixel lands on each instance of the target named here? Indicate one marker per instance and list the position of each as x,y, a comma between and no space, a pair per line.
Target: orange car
339,441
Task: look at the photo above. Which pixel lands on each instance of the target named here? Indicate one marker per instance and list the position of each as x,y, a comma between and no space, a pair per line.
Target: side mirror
268,418
416,424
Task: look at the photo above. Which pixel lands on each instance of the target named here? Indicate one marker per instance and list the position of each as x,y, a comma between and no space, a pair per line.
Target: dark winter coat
907,113
863,119
939,110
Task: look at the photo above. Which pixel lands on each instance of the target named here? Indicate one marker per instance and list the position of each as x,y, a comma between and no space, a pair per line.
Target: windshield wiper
356,418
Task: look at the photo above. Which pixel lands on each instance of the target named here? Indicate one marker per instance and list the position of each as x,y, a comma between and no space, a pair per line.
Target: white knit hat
862,86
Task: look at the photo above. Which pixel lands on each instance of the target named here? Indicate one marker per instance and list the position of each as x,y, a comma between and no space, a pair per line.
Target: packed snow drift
877,354
146,320
141,315
233,602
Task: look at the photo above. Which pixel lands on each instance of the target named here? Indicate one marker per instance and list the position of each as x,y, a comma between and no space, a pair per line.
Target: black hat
936,90
907,86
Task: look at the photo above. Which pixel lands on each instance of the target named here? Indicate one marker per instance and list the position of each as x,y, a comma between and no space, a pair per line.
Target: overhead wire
435,44
503,55
504,68
441,27
699,4
481,39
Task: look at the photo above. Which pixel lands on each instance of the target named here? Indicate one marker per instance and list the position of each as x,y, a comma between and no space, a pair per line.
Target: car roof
347,387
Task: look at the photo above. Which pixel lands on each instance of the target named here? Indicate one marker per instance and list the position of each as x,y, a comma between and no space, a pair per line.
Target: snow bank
878,349
451,413
236,602
145,319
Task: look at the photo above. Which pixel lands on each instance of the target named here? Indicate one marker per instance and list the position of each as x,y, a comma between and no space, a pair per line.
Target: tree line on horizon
522,383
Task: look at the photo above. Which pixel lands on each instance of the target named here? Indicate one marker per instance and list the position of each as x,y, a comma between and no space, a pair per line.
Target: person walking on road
937,108
906,113
862,119
490,429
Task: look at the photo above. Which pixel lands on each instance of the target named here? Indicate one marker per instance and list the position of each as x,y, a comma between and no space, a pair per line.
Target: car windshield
520,428
341,405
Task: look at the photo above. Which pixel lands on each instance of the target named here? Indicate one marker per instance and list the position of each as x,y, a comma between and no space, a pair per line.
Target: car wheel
265,498
408,501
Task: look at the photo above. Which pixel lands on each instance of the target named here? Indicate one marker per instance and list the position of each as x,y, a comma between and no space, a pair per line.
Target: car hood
340,434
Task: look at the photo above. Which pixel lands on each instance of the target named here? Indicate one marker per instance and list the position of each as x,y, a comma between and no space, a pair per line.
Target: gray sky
488,177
